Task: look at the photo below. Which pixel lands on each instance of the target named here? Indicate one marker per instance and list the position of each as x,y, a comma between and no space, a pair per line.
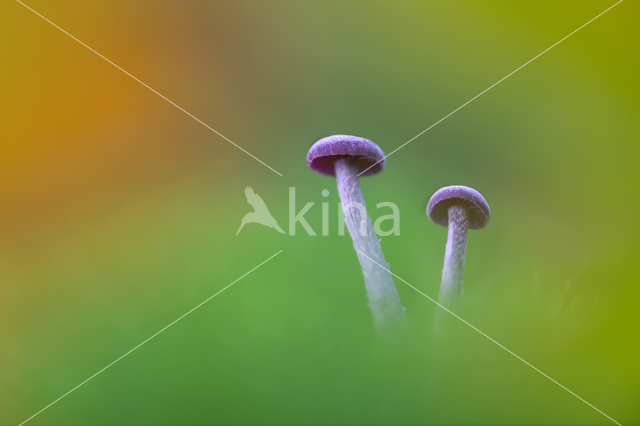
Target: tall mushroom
459,208
344,157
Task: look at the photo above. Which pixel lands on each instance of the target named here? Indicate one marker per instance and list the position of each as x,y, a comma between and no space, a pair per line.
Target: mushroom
344,157
459,208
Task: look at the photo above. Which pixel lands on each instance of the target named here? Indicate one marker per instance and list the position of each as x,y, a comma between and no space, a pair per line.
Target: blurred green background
119,212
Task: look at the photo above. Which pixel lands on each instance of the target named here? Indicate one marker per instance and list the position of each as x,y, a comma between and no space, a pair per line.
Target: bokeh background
118,212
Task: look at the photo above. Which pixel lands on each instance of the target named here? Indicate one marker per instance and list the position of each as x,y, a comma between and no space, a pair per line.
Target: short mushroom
344,157
459,208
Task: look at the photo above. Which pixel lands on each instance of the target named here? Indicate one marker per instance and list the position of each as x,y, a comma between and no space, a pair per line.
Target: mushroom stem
388,314
452,284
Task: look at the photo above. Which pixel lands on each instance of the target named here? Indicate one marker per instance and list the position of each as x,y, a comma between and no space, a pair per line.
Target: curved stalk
452,284
388,314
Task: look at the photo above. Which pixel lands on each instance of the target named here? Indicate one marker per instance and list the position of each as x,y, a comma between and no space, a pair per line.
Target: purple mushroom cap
477,207
326,151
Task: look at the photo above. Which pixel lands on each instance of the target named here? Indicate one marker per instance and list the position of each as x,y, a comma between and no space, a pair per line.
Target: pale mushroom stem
388,314
452,285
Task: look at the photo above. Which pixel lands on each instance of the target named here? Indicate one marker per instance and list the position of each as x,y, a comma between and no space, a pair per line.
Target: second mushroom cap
477,207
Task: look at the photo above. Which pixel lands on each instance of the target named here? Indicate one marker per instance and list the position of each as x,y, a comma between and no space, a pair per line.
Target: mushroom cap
477,207
324,153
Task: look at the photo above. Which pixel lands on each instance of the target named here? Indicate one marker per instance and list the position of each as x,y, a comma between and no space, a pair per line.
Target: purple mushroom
344,157
459,208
